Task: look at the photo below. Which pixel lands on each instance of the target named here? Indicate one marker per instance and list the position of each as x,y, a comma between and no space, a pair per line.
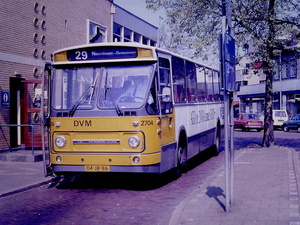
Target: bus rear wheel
182,159
217,145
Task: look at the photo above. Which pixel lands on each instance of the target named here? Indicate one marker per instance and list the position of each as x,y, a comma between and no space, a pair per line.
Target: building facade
286,83
30,32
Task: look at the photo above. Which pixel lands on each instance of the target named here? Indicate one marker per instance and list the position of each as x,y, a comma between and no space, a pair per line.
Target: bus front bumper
61,169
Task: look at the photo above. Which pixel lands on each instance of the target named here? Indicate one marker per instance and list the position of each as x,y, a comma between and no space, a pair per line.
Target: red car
247,121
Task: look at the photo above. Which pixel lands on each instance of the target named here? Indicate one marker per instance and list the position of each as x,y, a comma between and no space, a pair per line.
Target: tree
261,22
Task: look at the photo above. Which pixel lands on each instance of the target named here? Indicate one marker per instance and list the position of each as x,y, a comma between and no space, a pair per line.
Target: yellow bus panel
106,160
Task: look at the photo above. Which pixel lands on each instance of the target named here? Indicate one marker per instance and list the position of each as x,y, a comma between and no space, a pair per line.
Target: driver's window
152,104
165,86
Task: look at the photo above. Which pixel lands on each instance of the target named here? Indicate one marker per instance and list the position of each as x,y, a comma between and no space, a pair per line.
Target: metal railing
24,125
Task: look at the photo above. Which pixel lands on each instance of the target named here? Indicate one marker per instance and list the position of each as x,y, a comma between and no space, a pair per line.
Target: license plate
97,168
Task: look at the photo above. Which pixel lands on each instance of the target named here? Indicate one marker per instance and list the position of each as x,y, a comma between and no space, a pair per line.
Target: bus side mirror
166,94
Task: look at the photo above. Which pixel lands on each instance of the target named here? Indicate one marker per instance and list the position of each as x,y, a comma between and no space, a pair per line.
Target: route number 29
81,55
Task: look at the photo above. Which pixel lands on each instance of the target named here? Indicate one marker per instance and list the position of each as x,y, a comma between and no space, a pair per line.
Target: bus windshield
110,87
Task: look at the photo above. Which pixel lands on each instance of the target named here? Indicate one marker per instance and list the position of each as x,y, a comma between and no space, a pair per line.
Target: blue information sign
5,99
101,53
229,49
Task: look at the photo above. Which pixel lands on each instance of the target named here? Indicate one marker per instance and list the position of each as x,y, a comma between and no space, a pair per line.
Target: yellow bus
127,107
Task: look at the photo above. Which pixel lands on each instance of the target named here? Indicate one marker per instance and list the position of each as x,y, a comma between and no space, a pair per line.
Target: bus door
45,118
166,106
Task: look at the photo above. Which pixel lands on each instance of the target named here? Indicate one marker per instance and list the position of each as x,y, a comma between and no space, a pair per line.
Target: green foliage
195,25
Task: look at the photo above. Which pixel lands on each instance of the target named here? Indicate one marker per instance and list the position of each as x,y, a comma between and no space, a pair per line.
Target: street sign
229,49
5,99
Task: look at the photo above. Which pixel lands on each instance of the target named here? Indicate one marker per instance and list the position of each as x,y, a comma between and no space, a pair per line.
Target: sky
138,8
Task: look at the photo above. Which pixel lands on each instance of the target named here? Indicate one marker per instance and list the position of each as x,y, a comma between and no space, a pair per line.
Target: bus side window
191,82
201,87
165,84
217,95
178,79
209,84
152,104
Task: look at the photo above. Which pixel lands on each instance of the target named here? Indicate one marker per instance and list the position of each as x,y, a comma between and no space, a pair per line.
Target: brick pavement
266,191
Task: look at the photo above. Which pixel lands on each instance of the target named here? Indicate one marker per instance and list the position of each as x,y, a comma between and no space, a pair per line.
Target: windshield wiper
118,110
107,89
75,106
90,88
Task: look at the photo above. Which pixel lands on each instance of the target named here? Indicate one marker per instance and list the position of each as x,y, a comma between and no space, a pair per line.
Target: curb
24,188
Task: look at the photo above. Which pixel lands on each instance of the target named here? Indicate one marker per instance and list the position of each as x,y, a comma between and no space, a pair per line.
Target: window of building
127,35
152,43
277,71
284,70
137,37
97,33
293,68
117,37
145,40
123,34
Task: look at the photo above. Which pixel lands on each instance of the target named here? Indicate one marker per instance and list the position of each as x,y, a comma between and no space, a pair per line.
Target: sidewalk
19,176
266,191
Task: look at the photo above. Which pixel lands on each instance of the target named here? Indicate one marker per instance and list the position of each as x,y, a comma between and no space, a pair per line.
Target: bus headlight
60,141
134,141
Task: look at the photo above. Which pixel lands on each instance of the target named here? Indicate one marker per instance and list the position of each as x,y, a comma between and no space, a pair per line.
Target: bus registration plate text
97,168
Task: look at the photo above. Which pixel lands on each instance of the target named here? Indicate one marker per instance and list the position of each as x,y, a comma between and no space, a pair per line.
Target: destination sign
101,53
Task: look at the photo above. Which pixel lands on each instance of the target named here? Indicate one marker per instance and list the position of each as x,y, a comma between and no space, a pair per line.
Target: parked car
247,121
292,124
279,116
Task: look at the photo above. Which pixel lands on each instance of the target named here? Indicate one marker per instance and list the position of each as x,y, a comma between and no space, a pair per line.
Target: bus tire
182,158
217,144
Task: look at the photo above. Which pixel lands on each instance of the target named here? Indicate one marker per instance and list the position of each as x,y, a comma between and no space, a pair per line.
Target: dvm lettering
82,123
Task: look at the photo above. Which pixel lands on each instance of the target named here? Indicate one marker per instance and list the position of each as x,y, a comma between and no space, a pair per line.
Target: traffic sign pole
227,58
